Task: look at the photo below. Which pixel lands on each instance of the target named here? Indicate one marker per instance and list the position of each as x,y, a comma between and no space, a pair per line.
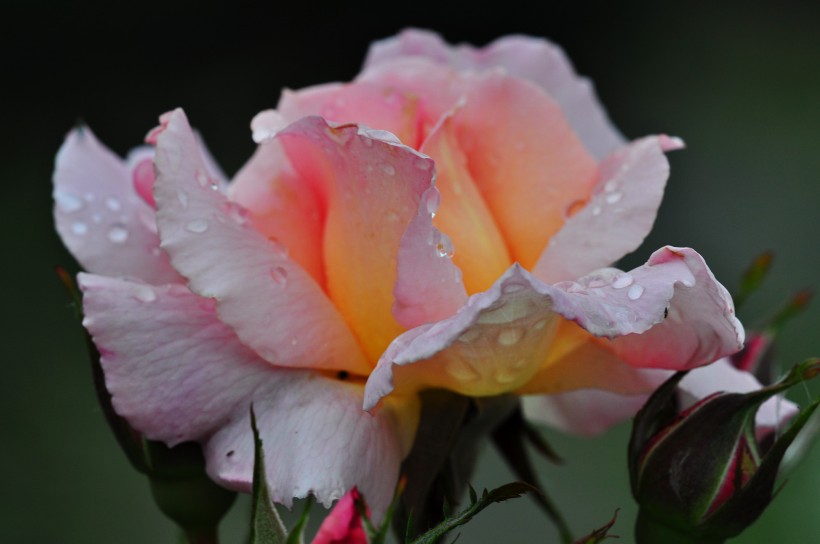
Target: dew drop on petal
462,371
612,198
279,275
510,337
433,202
574,207
389,169
540,324
117,233
68,203
596,210
112,204
610,186
79,228
635,292
145,294
424,164
197,226
202,178
624,280
183,200
445,248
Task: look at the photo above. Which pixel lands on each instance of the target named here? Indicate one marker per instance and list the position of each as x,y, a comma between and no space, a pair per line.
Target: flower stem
650,531
199,536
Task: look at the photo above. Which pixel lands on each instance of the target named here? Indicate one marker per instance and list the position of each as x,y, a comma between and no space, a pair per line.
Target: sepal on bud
700,475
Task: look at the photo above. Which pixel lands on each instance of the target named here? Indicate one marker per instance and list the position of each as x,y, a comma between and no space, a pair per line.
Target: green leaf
600,534
499,494
753,277
297,535
266,525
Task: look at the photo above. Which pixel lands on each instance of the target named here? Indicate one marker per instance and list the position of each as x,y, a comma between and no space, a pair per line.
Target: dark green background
740,82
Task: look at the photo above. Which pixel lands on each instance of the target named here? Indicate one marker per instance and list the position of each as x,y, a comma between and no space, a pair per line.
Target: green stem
199,536
650,531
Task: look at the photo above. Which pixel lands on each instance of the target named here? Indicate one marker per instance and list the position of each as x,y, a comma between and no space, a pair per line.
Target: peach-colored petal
274,306
618,215
480,252
178,373
373,186
282,207
525,159
100,217
535,59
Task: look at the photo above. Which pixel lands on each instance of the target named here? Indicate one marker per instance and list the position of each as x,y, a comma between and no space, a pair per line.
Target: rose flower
446,220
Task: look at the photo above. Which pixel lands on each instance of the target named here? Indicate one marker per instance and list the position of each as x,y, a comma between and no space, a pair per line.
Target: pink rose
458,243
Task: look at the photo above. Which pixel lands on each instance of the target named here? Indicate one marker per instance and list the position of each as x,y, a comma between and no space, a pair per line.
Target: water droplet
574,207
389,169
624,280
445,248
596,210
505,376
635,292
279,275
540,324
68,203
462,371
392,216
79,228
610,186
197,226
145,294
433,201
512,288
183,200
202,178
112,204
612,198
424,164
117,233
510,337
237,213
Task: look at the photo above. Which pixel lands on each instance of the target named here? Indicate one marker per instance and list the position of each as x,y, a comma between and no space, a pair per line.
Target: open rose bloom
446,220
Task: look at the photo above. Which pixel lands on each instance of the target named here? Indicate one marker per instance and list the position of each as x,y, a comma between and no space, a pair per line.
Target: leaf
753,276
297,534
499,494
266,525
600,534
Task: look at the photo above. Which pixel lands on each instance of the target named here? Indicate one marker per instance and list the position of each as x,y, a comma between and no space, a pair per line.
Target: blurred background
739,81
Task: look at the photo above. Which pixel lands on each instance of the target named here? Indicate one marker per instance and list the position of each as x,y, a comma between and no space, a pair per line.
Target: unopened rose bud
701,475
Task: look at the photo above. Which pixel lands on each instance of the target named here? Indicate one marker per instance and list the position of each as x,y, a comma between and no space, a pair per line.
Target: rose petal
372,186
429,286
534,59
282,207
617,217
269,300
480,251
103,222
344,523
499,340
177,373
586,412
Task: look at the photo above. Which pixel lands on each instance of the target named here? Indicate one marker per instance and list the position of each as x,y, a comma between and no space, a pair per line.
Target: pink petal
270,301
530,58
586,412
372,186
177,373
103,222
723,376
499,341
429,286
617,217
344,523
283,207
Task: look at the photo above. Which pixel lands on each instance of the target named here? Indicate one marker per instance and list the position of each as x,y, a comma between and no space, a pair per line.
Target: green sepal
266,525
499,494
297,534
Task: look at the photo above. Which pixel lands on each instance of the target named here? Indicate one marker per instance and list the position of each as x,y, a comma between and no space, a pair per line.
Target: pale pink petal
100,217
530,58
283,207
177,373
372,187
697,324
429,286
723,376
344,523
586,412
499,340
391,108
616,218
274,306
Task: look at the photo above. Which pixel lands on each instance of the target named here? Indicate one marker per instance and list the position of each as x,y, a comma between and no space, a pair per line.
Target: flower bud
703,475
